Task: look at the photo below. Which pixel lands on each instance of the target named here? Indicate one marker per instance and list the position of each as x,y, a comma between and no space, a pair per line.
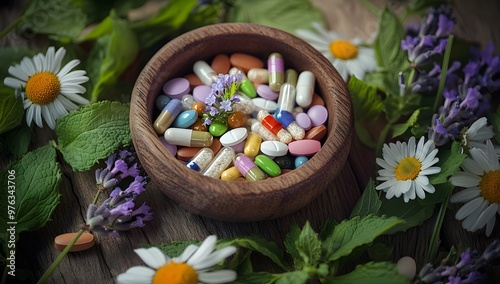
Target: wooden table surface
477,20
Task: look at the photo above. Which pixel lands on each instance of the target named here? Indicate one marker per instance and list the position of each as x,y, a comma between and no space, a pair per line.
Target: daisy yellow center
490,186
408,168
176,273
43,88
343,49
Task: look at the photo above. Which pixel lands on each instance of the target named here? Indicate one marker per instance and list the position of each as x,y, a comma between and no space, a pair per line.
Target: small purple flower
207,121
210,100
409,42
226,105
119,165
213,111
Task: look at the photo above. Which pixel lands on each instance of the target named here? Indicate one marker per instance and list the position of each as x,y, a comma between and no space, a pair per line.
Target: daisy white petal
65,70
216,257
18,72
153,257
203,251
136,275
220,276
465,195
14,83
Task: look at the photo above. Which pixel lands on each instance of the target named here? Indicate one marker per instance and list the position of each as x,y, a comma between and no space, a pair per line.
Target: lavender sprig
119,165
221,99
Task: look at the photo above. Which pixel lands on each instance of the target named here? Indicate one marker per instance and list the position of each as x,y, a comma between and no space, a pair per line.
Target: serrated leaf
366,102
11,110
280,14
34,181
369,203
258,244
371,272
17,140
291,247
111,54
168,19
295,277
449,161
256,278
413,213
176,248
61,20
309,245
356,232
400,129
92,133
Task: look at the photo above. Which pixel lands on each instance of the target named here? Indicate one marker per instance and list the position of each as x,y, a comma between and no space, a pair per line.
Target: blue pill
300,160
185,119
161,101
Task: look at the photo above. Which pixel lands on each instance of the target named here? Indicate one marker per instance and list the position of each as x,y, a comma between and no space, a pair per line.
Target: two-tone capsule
188,137
221,162
276,71
248,168
167,116
286,119
201,160
258,128
271,124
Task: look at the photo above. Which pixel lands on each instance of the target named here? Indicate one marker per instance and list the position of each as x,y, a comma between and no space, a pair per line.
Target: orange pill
85,241
237,119
221,64
317,100
193,80
198,125
199,107
245,62
316,133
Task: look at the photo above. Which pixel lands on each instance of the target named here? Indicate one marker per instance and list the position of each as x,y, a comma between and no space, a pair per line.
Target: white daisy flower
406,167
476,135
347,56
48,90
191,267
480,176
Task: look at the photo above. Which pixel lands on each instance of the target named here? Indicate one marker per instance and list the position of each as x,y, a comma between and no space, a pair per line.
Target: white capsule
206,74
305,89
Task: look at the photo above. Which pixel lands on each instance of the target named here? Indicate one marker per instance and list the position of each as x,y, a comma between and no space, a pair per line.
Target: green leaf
265,247
92,133
111,54
175,248
61,20
417,6
380,251
371,272
11,110
400,129
369,203
280,14
413,213
356,232
366,102
390,57
449,161
98,10
494,119
16,141
168,20
309,245
256,278
327,229
34,181
295,277
291,247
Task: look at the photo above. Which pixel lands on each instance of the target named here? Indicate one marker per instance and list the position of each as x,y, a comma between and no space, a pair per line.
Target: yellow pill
252,145
230,174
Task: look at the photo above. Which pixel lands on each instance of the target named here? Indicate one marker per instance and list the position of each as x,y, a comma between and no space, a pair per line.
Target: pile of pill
275,127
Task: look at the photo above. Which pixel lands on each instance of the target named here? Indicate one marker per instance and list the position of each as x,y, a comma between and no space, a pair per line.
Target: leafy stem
444,70
54,265
434,244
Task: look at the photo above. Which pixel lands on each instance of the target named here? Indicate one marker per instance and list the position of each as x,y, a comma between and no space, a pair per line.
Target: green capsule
267,165
217,129
247,88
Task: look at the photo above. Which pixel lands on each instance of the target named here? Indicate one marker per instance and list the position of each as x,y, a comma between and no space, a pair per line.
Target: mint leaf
265,247
281,14
34,181
168,19
291,247
295,277
413,213
256,278
400,129
380,251
309,245
371,272
369,203
111,54
327,229
366,102
61,20
11,110
356,232
449,161
175,248
16,141
92,133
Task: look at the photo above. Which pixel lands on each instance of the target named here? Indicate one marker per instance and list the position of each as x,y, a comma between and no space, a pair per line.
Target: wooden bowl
242,200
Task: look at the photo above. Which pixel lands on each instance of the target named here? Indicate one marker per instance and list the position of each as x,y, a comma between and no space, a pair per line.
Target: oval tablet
221,64
318,115
303,120
193,80
185,119
171,148
267,93
85,241
234,136
316,133
267,165
274,148
245,62
317,100
201,92
304,147
263,104
176,88
187,153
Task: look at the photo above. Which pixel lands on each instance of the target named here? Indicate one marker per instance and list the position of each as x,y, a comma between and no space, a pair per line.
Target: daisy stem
54,265
444,70
434,244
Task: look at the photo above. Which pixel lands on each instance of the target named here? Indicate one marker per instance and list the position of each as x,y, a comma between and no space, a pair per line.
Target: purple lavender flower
210,100
226,105
118,212
119,165
219,102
